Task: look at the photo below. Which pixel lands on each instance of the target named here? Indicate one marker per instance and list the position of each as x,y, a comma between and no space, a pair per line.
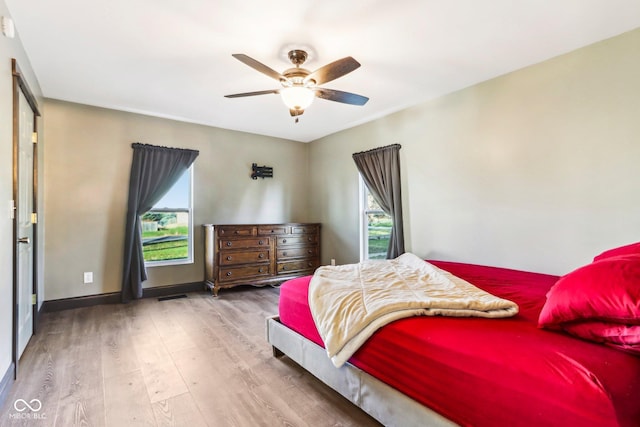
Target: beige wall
9,48
536,170
88,159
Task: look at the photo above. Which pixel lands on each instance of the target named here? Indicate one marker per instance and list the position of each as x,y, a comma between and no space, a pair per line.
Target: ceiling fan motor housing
295,77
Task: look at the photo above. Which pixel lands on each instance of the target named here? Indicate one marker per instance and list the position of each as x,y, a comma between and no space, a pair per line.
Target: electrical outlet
88,277
333,261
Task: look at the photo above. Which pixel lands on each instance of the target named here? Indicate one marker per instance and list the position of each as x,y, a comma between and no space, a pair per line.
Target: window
167,229
375,227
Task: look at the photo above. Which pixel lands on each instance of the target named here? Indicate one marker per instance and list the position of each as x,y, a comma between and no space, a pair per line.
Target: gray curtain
380,171
154,170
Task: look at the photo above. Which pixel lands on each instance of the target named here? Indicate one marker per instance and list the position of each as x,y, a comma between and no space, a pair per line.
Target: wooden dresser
259,254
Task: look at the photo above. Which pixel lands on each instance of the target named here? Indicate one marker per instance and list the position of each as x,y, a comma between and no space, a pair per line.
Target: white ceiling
172,58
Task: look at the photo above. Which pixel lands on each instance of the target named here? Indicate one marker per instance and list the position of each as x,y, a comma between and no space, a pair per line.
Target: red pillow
622,337
598,302
631,249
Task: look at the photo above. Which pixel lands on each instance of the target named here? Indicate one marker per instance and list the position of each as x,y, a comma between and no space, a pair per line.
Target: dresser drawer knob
261,242
310,239
284,267
228,243
260,270
236,232
229,258
261,256
310,264
309,251
284,254
228,273
284,240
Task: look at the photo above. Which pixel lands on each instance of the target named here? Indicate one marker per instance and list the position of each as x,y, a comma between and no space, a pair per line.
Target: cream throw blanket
350,302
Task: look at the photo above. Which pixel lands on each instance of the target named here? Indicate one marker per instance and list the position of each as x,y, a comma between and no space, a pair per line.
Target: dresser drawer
236,230
272,230
297,240
232,258
293,266
311,251
304,229
228,274
258,242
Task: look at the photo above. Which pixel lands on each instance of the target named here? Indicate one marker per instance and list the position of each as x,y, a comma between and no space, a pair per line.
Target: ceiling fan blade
339,96
260,92
333,70
259,66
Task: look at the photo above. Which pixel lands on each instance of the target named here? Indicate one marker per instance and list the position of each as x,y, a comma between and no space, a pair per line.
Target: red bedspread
488,372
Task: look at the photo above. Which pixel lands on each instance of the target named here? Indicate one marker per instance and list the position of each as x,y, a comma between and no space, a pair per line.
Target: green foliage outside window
379,232
165,236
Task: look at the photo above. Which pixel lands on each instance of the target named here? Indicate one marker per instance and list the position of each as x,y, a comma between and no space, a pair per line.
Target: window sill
167,263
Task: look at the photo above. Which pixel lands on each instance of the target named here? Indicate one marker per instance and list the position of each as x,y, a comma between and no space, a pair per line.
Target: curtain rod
387,147
159,147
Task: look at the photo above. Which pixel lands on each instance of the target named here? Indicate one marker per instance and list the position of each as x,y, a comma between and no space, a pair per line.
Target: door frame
21,85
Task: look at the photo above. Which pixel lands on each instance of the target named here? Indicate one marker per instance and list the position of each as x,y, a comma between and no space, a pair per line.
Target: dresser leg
212,287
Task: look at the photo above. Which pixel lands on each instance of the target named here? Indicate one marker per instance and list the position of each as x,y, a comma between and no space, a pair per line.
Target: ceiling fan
300,86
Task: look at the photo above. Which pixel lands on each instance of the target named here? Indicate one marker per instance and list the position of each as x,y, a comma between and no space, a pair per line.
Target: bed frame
382,402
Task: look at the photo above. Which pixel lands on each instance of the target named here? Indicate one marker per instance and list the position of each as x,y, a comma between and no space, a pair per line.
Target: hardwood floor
195,361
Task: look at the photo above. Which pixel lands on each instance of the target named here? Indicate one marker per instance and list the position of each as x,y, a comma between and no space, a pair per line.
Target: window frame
364,232
189,258
364,219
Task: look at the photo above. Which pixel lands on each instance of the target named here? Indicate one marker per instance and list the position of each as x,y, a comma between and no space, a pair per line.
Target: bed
471,371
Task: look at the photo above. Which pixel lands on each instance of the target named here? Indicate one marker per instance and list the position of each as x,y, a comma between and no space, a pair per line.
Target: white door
24,224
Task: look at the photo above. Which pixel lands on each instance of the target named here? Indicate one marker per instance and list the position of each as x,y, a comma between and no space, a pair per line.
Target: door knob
25,240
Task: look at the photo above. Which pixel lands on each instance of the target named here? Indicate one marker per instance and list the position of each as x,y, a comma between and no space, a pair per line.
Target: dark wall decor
261,171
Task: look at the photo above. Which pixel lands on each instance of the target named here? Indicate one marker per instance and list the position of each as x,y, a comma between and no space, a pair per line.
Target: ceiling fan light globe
297,97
